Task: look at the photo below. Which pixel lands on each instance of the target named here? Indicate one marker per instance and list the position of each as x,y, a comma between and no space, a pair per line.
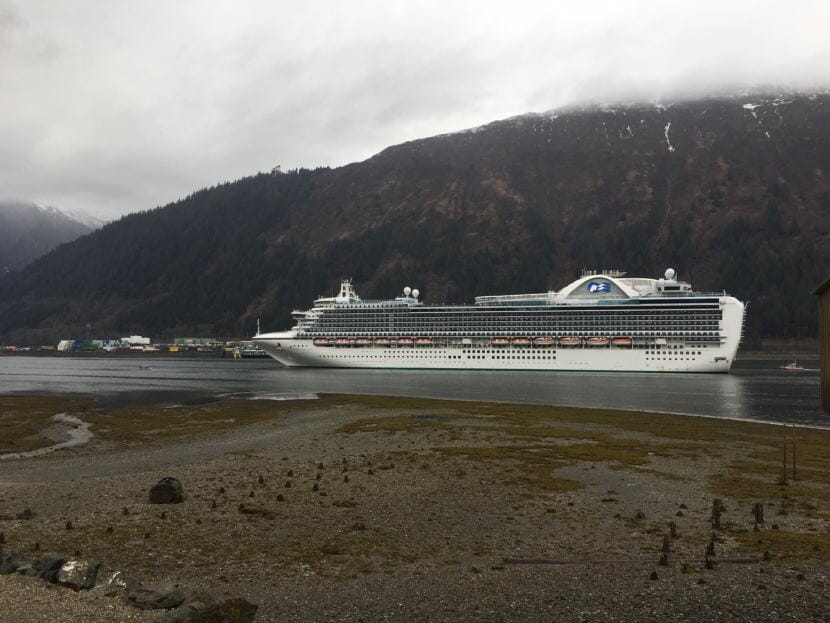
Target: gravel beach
350,508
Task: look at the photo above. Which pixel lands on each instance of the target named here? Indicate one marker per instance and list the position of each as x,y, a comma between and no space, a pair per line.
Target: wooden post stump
717,508
758,511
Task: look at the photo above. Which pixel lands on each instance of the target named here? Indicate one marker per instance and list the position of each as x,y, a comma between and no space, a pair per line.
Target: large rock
167,491
156,596
11,562
117,581
48,565
78,574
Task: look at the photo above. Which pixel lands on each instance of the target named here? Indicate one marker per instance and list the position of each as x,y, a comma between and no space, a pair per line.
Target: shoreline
111,400
76,430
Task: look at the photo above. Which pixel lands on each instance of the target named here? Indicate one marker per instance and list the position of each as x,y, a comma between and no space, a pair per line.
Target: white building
136,340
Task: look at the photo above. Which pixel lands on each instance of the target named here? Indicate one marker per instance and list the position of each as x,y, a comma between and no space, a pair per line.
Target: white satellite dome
407,290
415,293
670,274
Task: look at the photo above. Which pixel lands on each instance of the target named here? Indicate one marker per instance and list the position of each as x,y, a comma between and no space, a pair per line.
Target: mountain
734,193
29,230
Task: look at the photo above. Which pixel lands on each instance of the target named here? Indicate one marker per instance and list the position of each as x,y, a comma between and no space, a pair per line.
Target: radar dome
415,293
670,274
407,290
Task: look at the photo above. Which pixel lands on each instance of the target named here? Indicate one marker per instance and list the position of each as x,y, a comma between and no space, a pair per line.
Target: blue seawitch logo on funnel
596,287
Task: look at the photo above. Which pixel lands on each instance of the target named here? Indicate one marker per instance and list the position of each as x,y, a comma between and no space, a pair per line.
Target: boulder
156,596
48,565
117,581
167,491
78,574
11,562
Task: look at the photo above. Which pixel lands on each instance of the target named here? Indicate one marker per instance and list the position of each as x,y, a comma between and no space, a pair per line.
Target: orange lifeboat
570,341
405,341
423,341
544,341
597,341
382,341
363,341
500,341
343,341
621,341
322,341
521,341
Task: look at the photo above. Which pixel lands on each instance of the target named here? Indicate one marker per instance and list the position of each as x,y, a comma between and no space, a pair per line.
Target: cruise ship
603,321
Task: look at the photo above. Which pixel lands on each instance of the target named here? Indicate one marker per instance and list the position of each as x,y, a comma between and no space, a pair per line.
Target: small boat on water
145,368
794,367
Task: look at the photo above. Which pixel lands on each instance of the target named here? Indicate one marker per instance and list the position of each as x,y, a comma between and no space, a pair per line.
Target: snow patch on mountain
666,134
78,216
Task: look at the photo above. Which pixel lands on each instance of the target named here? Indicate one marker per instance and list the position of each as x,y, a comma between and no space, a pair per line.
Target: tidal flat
380,508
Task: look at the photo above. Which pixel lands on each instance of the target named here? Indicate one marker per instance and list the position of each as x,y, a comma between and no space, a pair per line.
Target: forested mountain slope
733,193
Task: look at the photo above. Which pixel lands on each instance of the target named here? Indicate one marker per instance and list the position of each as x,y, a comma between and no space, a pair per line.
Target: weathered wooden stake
717,508
758,511
673,529
794,477
710,549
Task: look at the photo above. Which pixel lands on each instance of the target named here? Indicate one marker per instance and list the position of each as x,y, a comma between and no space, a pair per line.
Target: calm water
755,390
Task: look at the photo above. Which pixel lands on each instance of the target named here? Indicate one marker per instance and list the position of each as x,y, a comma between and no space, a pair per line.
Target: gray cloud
121,106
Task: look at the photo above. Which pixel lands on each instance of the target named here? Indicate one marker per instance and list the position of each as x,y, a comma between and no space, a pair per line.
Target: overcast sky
115,106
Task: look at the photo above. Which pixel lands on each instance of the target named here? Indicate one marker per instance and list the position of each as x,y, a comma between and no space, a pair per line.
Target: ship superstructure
601,321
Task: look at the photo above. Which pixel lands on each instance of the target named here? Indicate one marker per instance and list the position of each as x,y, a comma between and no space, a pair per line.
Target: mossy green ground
23,419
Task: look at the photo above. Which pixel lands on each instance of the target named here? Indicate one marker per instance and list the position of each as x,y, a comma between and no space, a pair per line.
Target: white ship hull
302,353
